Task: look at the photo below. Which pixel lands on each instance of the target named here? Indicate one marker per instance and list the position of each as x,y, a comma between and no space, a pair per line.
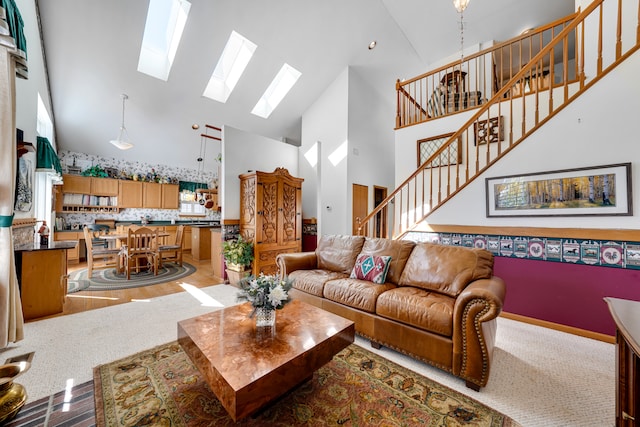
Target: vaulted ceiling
92,49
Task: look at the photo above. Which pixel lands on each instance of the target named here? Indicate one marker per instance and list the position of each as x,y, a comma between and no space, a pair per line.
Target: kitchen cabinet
200,243
186,243
104,186
73,254
151,195
76,184
170,196
216,253
42,275
130,194
271,216
87,194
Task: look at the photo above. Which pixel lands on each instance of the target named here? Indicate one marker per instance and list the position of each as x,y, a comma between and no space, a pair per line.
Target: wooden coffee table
248,367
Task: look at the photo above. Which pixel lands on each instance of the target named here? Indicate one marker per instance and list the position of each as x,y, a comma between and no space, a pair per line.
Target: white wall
242,152
27,93
27,90
326,121
599,128
371,141
349,111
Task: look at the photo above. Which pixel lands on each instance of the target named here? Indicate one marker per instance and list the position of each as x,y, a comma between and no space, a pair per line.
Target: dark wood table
248,367
626,315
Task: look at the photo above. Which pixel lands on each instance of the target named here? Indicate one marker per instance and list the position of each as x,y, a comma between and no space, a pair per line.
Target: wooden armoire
271,216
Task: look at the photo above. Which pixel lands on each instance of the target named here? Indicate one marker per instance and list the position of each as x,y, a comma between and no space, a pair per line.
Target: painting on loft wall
488,131
596,190
427,147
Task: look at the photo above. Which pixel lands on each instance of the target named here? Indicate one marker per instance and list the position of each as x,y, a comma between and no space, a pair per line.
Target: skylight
234,59
162,32
279,87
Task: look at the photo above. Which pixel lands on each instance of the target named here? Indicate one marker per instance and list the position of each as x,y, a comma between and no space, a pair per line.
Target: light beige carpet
540,377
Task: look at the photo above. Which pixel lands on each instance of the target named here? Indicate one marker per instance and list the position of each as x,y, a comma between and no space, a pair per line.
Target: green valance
191,186
46,158
15,24
6,221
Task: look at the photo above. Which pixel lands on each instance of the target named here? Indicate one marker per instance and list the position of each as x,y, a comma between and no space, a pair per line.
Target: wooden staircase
591,44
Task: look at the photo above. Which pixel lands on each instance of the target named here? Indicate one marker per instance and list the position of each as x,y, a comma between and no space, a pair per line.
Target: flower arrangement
265,291
237,253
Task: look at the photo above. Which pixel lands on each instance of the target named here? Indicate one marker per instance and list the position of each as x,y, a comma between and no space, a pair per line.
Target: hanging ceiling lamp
460,6
122,142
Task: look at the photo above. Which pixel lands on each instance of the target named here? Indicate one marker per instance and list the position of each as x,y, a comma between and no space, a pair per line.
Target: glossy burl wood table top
248,367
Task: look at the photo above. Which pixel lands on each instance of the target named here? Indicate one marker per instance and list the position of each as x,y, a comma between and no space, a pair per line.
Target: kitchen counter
57,244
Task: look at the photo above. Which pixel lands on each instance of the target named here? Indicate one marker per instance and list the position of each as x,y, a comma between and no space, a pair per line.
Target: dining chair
99,257
172,252
96,230
141,250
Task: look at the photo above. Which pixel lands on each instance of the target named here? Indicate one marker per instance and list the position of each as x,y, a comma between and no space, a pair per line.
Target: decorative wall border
604,253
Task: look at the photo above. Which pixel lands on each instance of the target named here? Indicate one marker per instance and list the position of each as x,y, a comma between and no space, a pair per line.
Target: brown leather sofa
438,304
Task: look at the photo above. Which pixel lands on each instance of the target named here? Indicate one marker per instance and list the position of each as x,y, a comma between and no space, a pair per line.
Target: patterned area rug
107,279
161,387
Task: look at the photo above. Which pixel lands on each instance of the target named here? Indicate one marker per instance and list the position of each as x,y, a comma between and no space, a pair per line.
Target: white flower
277,295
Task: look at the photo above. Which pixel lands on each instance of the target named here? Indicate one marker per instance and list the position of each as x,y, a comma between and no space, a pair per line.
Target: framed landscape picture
597,190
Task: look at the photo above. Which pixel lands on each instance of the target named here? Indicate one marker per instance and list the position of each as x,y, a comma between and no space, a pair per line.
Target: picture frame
488,131
428,146
595,190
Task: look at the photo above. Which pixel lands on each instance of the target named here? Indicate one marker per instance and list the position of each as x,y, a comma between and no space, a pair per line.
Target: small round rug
108,280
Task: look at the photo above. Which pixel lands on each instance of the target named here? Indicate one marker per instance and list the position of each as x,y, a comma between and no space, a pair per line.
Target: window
234,59
44,126
162,33
279,87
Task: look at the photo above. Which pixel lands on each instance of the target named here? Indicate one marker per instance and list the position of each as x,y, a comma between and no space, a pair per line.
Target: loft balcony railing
598,39
470,82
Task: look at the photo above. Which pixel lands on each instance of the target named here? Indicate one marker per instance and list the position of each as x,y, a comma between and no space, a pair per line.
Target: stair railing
446,90
509,118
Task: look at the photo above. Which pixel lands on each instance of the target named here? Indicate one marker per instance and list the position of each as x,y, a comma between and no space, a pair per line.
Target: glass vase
265,317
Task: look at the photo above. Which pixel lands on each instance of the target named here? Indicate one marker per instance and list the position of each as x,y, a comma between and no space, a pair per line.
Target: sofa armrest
474,328
290,262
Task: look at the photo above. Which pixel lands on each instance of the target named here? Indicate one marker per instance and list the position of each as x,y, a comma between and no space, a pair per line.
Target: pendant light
460,6
122,141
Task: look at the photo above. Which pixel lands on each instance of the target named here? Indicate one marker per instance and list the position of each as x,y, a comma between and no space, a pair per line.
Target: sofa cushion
338,253
360,294
422,309
446,269
398,250
312,281
371,267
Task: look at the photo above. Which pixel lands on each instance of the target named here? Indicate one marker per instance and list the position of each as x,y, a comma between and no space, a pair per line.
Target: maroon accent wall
568,294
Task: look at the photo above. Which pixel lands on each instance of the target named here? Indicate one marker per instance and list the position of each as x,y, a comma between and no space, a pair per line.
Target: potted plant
238,254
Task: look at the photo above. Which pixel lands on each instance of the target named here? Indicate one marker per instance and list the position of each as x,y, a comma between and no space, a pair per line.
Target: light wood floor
89,300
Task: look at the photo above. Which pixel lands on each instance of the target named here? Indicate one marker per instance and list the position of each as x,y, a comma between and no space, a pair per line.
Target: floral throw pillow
373,268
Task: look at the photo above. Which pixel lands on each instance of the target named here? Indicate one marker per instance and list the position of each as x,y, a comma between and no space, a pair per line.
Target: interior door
379,194
360,207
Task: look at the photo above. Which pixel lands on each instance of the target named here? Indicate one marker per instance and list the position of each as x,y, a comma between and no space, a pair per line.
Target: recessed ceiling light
195,126
372,44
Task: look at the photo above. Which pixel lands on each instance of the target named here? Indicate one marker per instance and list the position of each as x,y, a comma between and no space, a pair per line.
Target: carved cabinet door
267,218
271,216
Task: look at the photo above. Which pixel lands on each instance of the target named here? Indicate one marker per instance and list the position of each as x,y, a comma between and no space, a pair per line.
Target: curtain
191,186
11,24
46,158
11,320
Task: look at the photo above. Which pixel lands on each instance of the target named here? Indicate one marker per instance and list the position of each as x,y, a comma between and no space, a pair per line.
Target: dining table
122,238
